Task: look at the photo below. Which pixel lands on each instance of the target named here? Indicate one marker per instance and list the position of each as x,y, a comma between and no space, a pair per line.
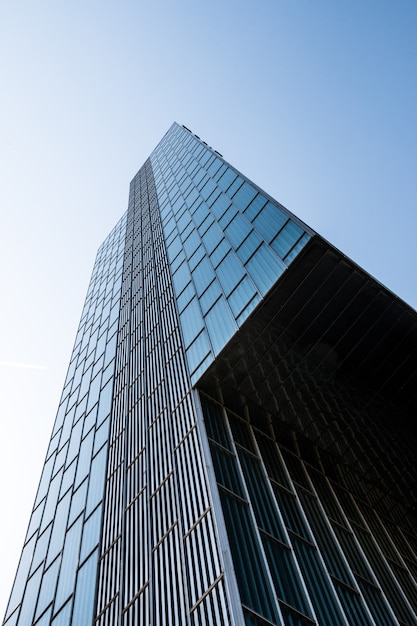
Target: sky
315,101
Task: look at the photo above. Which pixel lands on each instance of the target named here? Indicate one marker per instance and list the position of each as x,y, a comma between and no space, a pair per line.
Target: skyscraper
234,441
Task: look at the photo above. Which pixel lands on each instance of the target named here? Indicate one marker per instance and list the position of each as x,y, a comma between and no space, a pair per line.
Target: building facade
234,442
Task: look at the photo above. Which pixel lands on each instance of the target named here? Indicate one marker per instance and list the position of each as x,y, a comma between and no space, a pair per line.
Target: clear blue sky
314,100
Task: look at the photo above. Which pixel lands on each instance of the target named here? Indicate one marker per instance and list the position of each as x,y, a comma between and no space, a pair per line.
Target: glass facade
223,452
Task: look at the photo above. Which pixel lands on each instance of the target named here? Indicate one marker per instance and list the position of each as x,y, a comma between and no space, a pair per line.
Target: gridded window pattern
321,550
56,577
227,242
160,561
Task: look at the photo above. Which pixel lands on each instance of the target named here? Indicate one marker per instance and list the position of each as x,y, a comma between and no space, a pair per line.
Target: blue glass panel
105,402
185,297
297,248
29,600
220,325
69,564
192,243
78,502
269,221
191,322
84,459
48,586
287,238
208,189
203,275
210,296
220,205
102,434
248,247
198,351
51,500
68,478
265,268
41,548
94,392
91,533
237,183
84,593
201,214
212,237
196,257
227,216
244,196
97,478
60,523
181,278
230,272
45,619
241,296
220,252
21,576
63,617
238,229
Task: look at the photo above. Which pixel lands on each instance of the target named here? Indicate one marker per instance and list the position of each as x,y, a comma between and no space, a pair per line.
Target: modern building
235,441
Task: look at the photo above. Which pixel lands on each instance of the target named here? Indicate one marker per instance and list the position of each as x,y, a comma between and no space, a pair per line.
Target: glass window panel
220,252
181,278
212,237
68,478
97,479
60,524
191,322
227,216
220,325
285,575
185,297
196,257
94,392
48,586
105,402
297,248
220,205
29,600
200,214
84,593
84,459
102,434
248,247
174,248
198,351
269,221
237,183
192,243
264,268
203,275
230,272
69,564
91,533
41,548
287,238
241,296
244,196
21,576
210,296
63,617
208,188
78,502
238,229
249,564
322,593
51,500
